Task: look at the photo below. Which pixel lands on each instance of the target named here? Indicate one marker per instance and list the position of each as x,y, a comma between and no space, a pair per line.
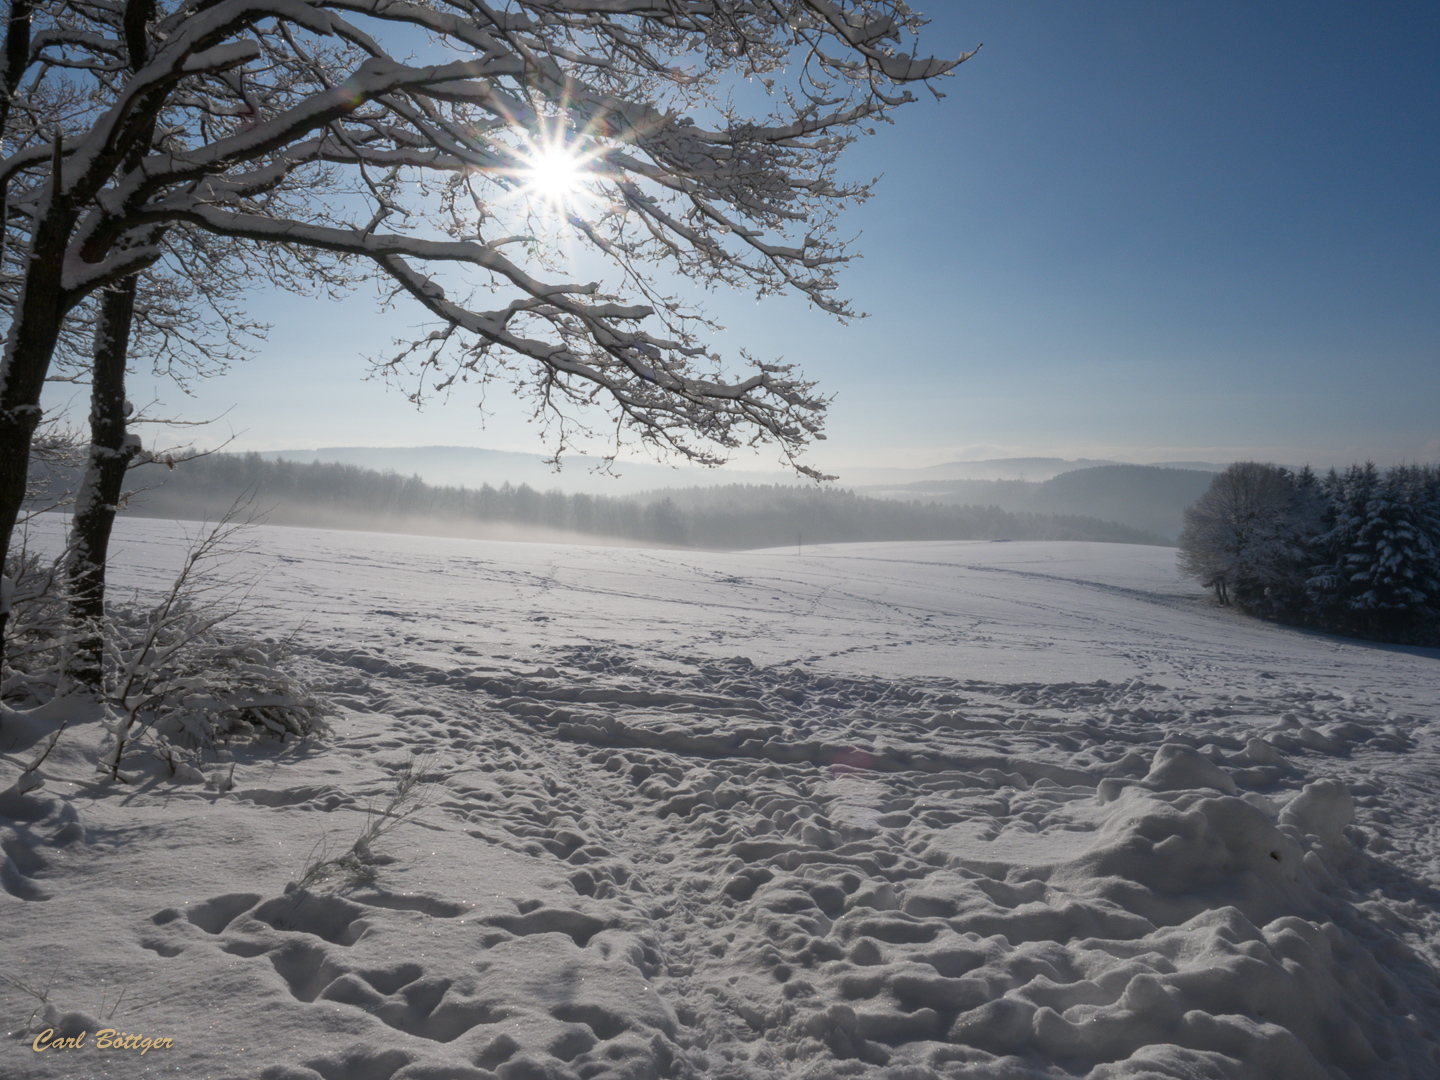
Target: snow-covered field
886,810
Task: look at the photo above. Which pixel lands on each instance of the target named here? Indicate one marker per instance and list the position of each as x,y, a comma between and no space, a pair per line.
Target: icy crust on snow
704,868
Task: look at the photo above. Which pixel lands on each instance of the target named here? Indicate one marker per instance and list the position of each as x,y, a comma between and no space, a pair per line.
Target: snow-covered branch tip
277,140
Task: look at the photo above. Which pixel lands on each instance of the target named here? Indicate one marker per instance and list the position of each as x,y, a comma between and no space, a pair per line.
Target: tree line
729,517
1356,552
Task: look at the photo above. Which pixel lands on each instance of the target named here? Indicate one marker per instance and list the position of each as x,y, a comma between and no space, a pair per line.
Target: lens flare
554,174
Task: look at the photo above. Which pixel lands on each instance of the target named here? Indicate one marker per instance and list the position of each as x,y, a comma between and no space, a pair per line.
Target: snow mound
1322,809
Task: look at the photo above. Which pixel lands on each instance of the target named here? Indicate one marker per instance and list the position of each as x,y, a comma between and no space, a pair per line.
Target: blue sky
1130,230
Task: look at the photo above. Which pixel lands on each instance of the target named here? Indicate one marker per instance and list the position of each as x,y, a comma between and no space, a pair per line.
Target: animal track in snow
328,917
20,865
324,950
322,797
426,905
575,925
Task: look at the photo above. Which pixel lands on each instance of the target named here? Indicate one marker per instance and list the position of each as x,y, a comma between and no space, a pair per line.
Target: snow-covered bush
1246,537
182,687
36,630
175,680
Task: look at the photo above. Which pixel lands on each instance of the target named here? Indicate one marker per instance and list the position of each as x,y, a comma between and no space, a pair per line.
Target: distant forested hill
1150,498
736,516
748,516
1142,496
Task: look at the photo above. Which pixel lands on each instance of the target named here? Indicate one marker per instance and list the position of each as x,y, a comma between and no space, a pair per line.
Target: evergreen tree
1380,578
1329,586
1357,552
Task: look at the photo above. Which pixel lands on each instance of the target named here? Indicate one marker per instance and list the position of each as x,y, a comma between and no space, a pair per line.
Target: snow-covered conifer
1380,576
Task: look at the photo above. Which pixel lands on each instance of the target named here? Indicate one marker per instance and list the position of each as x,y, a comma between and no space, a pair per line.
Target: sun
554,173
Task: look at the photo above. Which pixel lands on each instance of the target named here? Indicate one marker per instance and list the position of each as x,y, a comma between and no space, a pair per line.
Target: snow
882,810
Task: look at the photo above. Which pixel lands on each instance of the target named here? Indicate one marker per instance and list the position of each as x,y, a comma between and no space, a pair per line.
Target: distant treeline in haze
347,496
1146,497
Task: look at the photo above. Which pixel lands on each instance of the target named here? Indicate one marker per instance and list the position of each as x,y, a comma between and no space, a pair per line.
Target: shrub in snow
357,863
181,686
176,681
36,630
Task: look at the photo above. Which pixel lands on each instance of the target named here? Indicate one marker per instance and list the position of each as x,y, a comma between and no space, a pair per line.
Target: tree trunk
34,331
28,348
96,502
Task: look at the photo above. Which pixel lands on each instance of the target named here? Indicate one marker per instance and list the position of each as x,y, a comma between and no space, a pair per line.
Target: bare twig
40,994
411,795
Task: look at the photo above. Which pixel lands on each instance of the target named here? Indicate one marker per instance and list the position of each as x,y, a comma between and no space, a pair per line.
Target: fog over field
347,496
1115,503
468,466
922,810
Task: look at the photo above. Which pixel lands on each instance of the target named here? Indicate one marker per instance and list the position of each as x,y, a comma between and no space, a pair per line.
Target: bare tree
179,313
220,116
1245,537
183,319
184,322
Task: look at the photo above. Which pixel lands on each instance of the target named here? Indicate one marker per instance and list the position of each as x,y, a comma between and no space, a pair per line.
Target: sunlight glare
554,173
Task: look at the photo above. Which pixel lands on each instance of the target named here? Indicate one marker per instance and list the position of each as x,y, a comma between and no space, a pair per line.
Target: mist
339,496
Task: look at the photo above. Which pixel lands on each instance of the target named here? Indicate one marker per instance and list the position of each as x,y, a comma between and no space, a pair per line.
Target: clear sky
1148,232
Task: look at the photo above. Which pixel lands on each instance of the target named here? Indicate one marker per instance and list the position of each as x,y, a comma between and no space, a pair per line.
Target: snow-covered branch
294,130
